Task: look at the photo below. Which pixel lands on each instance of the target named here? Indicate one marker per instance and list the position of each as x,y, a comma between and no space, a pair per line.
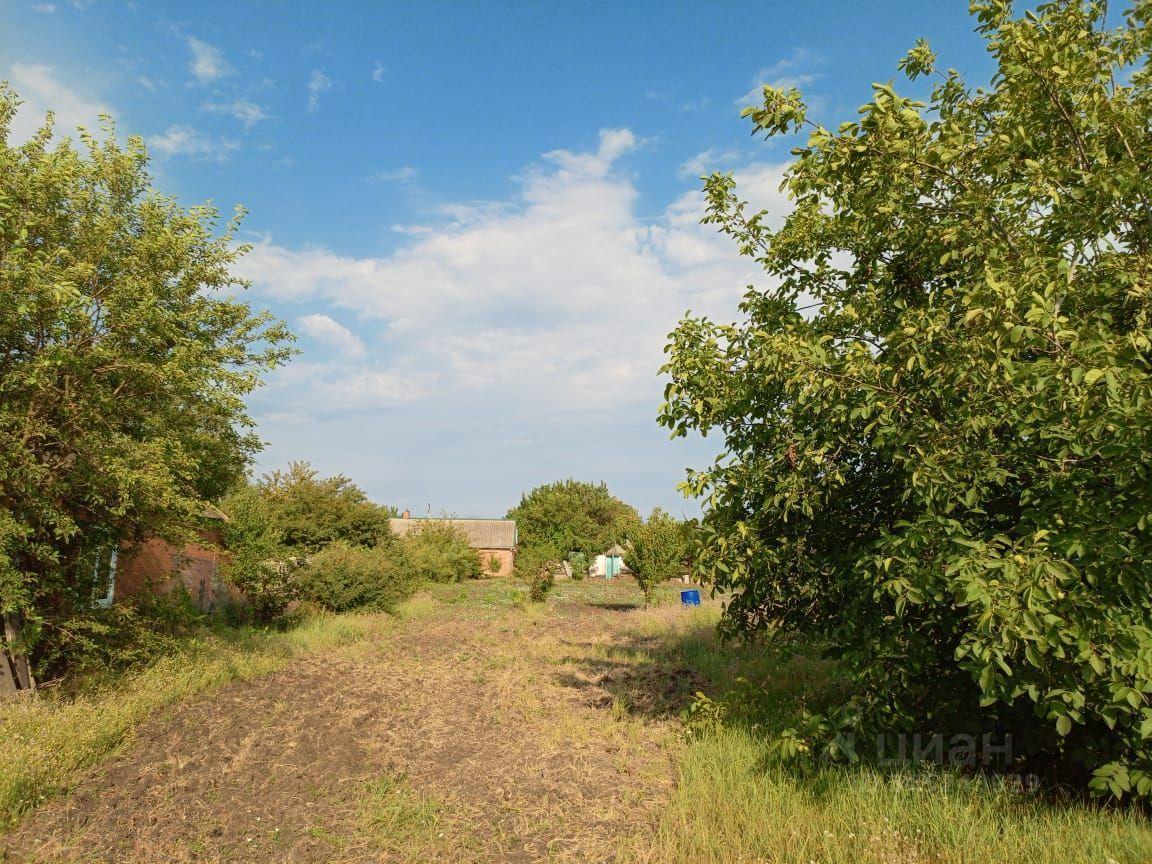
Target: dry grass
484,728
49,739
501,718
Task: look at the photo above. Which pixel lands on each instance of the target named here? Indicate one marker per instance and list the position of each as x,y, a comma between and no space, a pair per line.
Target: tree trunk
15,674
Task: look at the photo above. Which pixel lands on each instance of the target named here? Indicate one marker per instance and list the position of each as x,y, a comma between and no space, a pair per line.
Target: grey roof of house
481,533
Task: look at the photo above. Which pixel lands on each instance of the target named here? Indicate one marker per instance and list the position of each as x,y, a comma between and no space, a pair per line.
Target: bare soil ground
479,731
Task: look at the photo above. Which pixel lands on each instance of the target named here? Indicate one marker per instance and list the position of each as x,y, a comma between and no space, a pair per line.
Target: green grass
401,822
49,738
735,802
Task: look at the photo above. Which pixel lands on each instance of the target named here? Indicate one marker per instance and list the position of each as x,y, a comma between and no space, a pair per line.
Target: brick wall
506,557
159,566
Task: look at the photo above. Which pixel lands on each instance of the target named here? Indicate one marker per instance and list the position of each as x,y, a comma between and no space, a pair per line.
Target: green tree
937,418
125,356
572,516
311,511
655,551
258,563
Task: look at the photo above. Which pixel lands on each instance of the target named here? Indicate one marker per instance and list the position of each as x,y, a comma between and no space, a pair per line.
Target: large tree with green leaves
572,516
938,414
126,351
311,511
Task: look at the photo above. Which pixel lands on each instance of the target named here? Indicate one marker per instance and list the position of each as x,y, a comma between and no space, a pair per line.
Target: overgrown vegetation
737,799
537,565
437,551
125,356
310,511
937,423
342,577
570,516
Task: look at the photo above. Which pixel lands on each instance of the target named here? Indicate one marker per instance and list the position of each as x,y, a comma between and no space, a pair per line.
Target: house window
104,578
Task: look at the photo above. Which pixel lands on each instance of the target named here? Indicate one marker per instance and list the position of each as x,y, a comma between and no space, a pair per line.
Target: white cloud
403,174
328,330
318,83
791,71
182,140
378,73
552,304
46,8
248,113
208,63
705,163
42,91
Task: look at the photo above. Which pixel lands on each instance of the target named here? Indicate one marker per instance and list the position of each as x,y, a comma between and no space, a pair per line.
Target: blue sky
480,218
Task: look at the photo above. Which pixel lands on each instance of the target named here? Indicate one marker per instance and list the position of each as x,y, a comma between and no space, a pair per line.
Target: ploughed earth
480,729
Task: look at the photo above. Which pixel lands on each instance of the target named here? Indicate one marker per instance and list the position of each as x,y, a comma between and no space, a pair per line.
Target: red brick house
158,566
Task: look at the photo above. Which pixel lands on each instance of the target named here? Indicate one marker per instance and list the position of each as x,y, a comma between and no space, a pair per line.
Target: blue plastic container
690,598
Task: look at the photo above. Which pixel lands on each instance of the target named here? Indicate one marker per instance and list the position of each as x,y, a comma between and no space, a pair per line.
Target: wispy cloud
706,162
325,329
180,140
208,63
248,113
42,90
318,83
45,8
403,174
795,70
378,72
530,290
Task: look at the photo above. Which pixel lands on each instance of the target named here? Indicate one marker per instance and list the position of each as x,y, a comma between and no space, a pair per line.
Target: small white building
609,564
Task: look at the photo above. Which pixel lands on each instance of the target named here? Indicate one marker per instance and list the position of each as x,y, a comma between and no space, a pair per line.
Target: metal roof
481,533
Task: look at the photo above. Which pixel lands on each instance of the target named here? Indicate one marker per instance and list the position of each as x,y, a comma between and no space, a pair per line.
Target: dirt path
478,732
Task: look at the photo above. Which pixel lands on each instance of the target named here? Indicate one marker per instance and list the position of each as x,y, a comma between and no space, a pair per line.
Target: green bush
938,418
257,562
537,566
579,563
437,551
309,511
342,577
655,551
121,637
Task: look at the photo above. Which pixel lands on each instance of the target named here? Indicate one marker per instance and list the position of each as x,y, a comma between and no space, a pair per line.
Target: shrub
310,511
121,637
437,551
257,562
342,577
537,567
579,564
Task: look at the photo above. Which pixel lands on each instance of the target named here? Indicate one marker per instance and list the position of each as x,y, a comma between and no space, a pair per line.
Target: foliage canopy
656,551
311,511
572,516
126,352
938,417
